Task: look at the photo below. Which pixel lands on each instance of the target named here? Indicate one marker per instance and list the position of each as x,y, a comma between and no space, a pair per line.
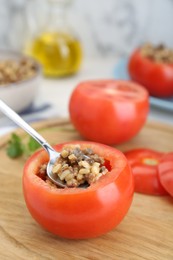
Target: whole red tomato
108,111
156,77
80,212
145,163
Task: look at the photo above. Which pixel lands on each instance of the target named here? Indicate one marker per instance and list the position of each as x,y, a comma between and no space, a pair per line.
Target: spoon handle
20,122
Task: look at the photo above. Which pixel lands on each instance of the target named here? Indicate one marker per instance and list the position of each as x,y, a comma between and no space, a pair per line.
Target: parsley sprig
16,147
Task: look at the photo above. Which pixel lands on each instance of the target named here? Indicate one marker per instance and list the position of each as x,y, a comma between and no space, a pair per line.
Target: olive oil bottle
56,47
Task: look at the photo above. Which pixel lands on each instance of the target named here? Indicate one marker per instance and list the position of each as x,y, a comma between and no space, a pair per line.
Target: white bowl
21,94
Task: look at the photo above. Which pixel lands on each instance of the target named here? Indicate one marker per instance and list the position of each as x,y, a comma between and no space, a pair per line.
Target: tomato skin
110,120
146,176
156,77
166,172
80,213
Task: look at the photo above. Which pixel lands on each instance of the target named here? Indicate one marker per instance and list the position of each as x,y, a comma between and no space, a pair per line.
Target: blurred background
105,27
75,40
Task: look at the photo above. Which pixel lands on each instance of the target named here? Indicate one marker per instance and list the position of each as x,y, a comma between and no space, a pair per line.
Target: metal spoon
53,155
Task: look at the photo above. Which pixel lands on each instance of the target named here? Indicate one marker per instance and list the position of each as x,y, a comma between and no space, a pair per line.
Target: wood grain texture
145,233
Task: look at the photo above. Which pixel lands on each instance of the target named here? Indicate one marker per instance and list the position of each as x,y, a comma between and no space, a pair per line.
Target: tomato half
76,212
166,172
156,77
108,111
144,163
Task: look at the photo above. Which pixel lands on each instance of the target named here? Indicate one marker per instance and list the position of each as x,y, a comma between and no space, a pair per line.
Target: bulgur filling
76,167
159,53
12,71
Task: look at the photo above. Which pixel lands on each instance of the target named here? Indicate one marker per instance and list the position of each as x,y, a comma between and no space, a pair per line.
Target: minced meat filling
76,167
159,53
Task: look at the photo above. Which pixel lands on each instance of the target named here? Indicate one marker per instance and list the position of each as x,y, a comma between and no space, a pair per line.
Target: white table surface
56,92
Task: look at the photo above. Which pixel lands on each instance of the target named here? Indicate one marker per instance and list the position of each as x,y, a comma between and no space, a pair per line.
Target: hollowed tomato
80,212
108,111
156,77
144,164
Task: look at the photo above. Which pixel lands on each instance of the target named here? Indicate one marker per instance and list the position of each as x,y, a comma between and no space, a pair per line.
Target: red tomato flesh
156,77
108,111
166,172
145,163
75,212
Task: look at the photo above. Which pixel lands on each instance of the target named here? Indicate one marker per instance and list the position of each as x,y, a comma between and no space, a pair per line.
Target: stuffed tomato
153,68
80,212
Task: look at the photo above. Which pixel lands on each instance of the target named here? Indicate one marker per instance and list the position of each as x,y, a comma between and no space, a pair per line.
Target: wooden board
145,233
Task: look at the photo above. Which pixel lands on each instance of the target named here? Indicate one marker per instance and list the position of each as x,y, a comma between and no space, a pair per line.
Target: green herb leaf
33,145
15,147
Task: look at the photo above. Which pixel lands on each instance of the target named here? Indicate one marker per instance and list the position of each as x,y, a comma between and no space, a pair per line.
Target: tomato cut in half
166,172
108,111
79,213
156,77
144,164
